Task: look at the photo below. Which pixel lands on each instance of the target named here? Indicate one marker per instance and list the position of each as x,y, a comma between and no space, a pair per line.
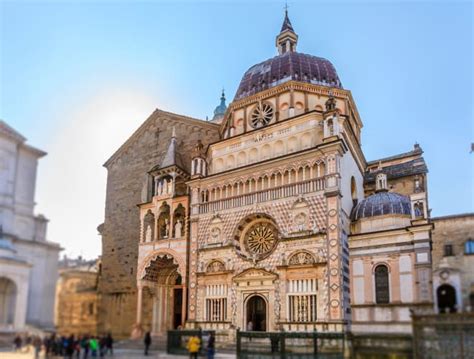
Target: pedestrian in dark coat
211,346
147,342
109,343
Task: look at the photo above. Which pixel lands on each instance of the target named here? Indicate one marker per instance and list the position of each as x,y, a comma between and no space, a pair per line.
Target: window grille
448,250
302,300
216,303
382,295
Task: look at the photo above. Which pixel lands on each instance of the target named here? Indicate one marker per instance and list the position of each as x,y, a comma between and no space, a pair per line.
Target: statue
167,227
170,187
177,229
148,234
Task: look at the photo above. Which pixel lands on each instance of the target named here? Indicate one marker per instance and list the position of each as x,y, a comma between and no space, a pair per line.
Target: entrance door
446,296
177,307
256,314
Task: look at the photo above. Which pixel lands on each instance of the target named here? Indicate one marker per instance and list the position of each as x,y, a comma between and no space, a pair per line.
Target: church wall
8,155
403,254
301,133
127,175
42,280
350,169
18,168
25,182
18,273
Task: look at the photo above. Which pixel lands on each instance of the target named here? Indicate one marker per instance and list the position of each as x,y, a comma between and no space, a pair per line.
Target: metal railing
288,345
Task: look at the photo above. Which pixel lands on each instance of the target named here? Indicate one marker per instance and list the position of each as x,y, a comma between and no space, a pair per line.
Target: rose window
261,116
260,239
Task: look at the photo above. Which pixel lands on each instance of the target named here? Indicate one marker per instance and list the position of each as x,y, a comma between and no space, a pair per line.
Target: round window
261,115
260,239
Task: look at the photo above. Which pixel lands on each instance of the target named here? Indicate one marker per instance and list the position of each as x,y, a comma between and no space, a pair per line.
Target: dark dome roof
383,203
286,67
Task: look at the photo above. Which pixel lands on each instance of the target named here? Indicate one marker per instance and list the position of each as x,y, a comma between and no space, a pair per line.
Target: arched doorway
7,302
256,314
446,295
165,285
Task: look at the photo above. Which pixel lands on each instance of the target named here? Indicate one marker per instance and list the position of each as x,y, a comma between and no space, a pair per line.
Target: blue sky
76,78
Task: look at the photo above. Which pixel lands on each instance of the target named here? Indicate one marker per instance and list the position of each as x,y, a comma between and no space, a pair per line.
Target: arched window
382,295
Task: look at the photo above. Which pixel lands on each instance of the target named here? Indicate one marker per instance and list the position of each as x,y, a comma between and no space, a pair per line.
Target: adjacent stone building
453,263
28,261
77,297
129,184
268,217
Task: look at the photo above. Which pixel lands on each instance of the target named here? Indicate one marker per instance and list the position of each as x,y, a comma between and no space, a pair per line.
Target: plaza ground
123,353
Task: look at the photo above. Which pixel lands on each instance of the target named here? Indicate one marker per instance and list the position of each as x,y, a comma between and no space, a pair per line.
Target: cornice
287,86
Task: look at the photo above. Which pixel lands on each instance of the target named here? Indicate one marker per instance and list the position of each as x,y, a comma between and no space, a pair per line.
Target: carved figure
177,229
148,234
167,227
300,221
215,234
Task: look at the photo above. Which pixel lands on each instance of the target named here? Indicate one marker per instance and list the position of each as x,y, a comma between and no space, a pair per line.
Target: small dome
286,67
220,110
383,203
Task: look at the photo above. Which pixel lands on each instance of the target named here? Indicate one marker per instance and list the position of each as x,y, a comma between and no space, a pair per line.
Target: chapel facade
268,217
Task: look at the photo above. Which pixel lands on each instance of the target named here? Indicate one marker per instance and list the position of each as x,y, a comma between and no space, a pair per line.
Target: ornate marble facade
275,220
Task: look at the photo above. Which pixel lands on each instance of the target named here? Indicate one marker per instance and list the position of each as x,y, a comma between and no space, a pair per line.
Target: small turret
198,164
331,118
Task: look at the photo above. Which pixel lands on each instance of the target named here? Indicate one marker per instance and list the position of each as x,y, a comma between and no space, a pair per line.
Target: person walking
194,344
109,344
147,342
17,342
211,346
85,346
94,346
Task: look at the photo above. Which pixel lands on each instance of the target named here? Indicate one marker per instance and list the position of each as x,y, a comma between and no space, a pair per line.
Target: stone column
183,308
139,305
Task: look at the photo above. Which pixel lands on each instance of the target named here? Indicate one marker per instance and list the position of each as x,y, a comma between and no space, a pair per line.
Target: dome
286,67
383,203
220,110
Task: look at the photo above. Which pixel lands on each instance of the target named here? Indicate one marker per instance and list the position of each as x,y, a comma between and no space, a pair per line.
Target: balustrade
289,190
